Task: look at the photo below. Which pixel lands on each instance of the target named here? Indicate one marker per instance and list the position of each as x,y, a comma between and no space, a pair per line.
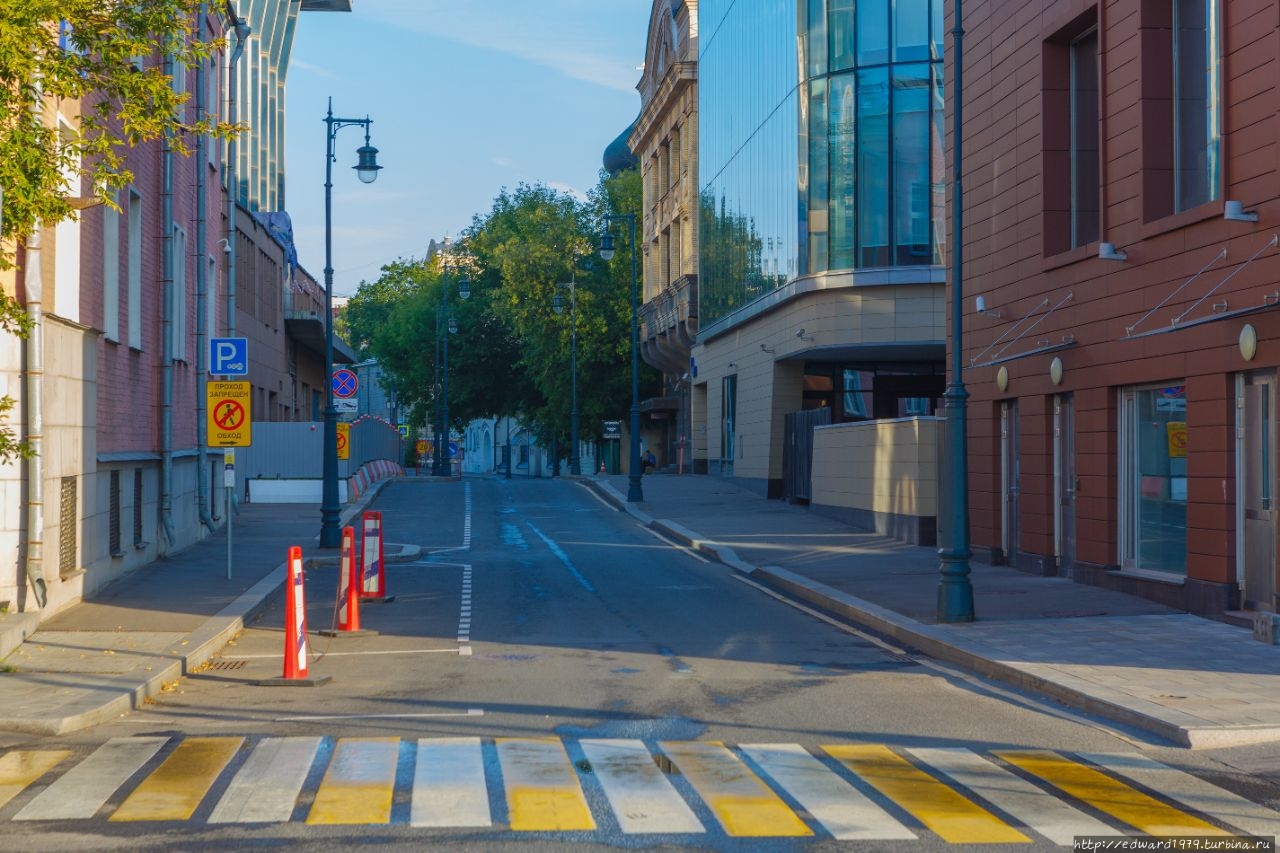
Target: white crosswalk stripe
849,792
267,786
639,794
449,787
842,809
85,788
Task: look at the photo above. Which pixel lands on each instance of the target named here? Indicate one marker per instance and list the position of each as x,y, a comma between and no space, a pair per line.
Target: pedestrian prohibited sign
229,414
344,441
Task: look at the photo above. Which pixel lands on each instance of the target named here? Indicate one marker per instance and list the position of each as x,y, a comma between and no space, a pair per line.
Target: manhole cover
227,664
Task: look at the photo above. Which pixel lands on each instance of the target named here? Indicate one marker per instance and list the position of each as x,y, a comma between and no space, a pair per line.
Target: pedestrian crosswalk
846,791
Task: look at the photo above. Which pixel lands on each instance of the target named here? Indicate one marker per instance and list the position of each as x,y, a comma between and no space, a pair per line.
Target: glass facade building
821,142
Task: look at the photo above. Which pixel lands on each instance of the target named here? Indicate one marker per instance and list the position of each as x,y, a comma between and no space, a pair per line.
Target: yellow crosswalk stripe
19,769
951,815
543,793
1107,795
359,785
744,805
174,790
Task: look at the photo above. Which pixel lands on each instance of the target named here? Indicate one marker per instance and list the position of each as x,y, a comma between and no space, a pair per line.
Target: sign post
229,481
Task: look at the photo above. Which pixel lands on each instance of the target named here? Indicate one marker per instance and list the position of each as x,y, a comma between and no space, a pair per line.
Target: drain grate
227,664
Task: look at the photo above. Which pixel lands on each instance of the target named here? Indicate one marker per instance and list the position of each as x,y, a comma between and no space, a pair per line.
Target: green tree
80,54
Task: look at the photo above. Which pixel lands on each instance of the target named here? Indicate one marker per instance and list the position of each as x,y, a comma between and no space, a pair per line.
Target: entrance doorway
1064,483
1009,472
1255,489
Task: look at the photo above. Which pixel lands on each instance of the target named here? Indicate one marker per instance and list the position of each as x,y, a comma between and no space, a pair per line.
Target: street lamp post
635,493
575,462
441,462
955,589
367,169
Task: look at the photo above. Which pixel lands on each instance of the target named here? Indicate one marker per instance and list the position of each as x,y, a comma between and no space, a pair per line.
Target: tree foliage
78,56
511,354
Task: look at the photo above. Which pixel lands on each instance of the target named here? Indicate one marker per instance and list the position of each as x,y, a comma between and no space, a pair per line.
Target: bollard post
296,665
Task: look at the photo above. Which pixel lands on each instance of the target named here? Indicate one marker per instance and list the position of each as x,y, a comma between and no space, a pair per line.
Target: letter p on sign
229,356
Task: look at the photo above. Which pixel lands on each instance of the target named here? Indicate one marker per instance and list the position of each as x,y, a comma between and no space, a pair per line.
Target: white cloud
569,190
504,162
308,68
523,29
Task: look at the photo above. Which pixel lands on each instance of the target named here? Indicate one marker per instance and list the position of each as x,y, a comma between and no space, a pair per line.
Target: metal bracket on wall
1068,339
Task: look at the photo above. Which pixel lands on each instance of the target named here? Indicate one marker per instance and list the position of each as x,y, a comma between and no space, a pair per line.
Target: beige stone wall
887,467
832,314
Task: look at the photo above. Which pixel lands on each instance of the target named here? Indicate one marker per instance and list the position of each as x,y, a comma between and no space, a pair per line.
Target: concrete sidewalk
1194,681
102,657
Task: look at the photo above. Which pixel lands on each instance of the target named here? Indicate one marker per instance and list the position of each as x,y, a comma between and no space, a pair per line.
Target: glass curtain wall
874,156
839,166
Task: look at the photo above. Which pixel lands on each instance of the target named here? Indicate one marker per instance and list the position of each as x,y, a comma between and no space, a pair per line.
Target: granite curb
107,698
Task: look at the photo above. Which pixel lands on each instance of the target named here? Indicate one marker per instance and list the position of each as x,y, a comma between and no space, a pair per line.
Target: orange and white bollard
296,665
373,578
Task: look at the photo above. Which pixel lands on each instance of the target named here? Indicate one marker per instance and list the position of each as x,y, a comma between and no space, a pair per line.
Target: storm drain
227,664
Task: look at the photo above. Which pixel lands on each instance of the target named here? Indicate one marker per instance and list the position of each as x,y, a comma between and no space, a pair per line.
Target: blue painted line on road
564,558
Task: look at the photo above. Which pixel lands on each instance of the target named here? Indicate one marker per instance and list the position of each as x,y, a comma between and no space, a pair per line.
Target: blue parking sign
229,356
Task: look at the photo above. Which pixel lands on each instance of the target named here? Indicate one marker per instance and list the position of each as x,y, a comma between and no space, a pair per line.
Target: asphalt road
540,662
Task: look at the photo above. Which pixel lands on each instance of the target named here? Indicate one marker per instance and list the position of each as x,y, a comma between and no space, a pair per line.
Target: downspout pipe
34,285
242,33
35,416
202,305
166,326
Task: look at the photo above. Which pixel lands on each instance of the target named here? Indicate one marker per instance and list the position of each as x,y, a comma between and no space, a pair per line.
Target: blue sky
466,97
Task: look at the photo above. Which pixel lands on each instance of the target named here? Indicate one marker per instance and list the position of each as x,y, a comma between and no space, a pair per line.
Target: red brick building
1121,331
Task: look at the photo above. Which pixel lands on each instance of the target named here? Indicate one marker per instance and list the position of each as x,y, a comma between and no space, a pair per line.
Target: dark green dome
618,156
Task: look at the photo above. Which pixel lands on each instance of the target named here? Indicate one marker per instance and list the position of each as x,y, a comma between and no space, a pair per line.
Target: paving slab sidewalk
104,656
1194,681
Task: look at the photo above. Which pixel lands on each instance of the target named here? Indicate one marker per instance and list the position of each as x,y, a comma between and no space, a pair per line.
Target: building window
113,517
110,273
178,330
1085,174
137,510
1069,121
133,274
67,518
1153,478
1197,110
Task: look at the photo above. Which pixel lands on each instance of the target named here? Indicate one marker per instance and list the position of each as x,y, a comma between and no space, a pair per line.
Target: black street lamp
441,464
635,493
557,304
367,169
955,589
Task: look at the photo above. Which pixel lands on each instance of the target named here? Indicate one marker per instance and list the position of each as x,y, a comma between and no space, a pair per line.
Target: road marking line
741,802
85,788
470,712
593,494
448,651
685,549
176,788
1191,791
1047,815
19,769
266,788
847,813
564,558
642,798
543,793
1107,795
945,811
359,784
449,787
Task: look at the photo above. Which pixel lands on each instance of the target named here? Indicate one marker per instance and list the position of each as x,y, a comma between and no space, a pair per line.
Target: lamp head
367,165
557,303
606,246
453,326
464,289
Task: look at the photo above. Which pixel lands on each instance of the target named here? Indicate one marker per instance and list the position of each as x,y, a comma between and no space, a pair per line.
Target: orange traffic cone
295,628
348,589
